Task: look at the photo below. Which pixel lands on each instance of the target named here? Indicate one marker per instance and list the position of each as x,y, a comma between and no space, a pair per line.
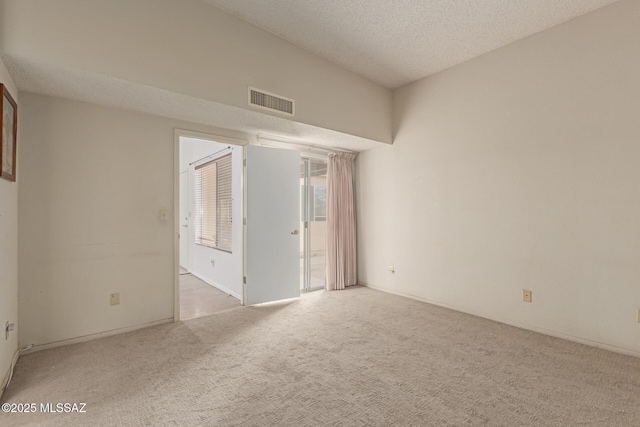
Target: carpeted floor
354,358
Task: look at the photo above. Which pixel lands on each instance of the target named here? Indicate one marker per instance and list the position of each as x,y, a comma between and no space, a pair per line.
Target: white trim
177,133
84,338
217,286
244,224
590,343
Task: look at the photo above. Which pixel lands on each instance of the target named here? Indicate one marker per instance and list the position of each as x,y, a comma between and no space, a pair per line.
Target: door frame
184,133
183,255
308,159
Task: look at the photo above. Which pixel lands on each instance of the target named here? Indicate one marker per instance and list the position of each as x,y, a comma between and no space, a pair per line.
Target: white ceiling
394,42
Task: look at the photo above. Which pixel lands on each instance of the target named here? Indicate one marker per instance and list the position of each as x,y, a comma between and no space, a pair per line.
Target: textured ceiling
394,42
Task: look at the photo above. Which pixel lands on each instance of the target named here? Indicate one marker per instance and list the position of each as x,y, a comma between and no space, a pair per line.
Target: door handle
185,225
295,232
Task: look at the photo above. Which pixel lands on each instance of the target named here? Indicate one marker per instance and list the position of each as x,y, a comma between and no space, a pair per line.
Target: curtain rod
306,146
210,155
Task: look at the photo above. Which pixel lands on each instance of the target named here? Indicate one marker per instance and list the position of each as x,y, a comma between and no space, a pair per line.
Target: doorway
209,227
313,223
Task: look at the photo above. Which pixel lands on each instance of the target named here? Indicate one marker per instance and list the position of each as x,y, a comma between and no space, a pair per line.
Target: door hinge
244,221
244,279
244,162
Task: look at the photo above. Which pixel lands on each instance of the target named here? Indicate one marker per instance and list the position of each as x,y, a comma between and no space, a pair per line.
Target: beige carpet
347,358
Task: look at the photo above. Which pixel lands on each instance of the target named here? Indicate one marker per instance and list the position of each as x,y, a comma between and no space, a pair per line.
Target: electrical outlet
115,298
526,295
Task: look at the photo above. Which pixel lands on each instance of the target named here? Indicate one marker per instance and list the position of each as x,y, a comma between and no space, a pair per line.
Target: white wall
225,273
224,55
9,247
92,183
518,169
1,20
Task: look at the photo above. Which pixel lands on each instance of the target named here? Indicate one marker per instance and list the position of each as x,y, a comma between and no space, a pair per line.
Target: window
319,203
213,204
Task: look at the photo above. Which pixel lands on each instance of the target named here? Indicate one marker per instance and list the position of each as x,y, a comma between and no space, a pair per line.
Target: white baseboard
591,343
216,285
84,338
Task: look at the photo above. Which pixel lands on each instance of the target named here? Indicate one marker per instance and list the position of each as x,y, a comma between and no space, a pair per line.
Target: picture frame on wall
9,127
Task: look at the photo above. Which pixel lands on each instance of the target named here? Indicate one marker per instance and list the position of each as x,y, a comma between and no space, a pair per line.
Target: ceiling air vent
270,101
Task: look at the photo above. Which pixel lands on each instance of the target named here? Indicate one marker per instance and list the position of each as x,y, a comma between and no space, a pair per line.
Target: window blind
213,216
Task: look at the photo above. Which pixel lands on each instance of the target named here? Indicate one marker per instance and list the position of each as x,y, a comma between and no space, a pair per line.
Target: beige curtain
341,222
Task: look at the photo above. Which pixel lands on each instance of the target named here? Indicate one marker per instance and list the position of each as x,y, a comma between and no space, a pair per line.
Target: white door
184,220
273,219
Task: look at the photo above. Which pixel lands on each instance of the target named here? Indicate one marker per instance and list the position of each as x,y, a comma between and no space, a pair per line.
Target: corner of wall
2,26
8,255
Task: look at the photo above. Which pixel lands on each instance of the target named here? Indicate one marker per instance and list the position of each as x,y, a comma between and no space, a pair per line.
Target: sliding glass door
313,223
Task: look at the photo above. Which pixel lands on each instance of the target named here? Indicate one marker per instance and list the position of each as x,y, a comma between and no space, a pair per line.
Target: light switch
164,214
115,298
